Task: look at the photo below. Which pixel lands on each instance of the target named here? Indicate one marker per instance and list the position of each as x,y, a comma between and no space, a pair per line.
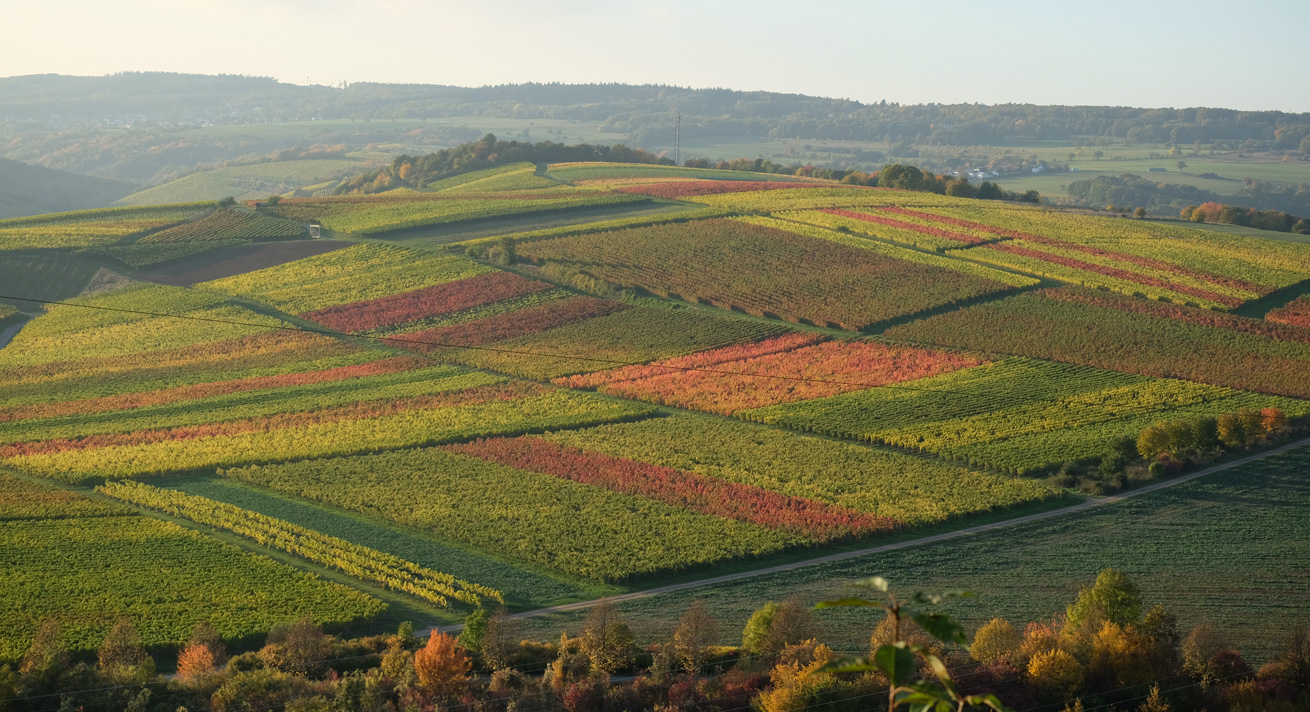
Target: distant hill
644,112
154,128
32,190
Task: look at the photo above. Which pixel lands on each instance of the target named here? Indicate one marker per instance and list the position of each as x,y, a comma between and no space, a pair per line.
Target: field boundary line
1083,506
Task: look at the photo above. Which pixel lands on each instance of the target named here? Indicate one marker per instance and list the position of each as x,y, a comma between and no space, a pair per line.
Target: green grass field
51,277
1215,549
246,182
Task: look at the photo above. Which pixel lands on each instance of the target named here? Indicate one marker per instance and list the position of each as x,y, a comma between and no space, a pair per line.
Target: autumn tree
500,640
797,680
996,640
1198,650
1294,659
122,658
1113,595
299,648
777,625
46,659
204,634
1154,702
1231,432
1272,420
1252,425
442,666
196,665
1120,655
1153,441
1039,637
1057,674
260,689
697,631
606,639
398,664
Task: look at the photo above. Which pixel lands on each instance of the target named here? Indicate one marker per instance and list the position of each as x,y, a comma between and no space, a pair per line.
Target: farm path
1091,503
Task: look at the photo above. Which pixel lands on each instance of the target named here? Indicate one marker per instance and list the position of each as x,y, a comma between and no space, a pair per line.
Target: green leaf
923,696
942,627
939,669
991,701
896,661
844,602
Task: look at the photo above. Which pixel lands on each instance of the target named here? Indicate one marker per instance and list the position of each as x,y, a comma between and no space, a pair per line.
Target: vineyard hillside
530,385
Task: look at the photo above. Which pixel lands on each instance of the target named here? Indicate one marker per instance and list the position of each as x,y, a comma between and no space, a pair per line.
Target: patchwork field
742,371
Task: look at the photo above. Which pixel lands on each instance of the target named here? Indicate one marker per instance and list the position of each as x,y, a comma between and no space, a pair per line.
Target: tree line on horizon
645,112
418,171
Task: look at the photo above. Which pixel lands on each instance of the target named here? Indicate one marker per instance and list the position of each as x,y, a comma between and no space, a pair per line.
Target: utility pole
677,139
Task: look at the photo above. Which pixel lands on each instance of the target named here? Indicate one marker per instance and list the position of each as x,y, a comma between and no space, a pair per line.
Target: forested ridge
645,112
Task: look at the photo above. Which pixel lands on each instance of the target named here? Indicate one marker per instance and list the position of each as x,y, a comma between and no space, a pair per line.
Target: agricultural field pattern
541,385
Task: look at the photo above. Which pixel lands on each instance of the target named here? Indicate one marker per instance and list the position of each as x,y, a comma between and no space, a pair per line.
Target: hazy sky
1249,55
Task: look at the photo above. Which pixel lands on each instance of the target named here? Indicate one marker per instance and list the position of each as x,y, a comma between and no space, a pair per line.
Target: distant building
1158,170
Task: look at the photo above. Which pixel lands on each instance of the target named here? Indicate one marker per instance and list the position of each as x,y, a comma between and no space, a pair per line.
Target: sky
1115,52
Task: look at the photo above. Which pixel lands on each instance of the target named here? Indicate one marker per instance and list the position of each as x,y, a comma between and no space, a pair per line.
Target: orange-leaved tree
442,666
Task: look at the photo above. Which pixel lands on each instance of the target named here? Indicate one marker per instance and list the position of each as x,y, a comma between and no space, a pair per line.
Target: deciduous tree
1114,595
122,658
697,631
606,639
500,641
442,666
46,659
996,640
